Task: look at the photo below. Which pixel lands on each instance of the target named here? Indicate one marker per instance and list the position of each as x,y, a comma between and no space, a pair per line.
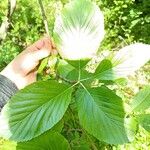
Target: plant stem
91,141
4,27
73,117
44,17
66,80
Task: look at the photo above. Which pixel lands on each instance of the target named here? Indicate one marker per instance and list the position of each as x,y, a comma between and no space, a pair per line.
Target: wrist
11,75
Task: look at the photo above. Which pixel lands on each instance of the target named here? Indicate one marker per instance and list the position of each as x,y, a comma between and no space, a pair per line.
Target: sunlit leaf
126,61
144,121
78,64
142,100
79,30
72,70
46,141
34,110
101,113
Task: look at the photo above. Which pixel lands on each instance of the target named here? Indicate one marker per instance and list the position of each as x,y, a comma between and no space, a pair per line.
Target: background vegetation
126,22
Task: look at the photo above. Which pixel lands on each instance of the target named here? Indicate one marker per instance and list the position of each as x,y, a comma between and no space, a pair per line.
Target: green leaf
43,65
78,64
72,70
142,100
102,114
34,110
58,127
67,71
123,63
131,125
46,141
64,68
144,121
79,30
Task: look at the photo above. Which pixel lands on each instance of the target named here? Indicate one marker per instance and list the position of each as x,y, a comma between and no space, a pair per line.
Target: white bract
79,30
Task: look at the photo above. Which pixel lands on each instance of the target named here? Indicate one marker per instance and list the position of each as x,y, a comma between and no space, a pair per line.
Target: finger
41,49
36,46
29,62
44,42
47,44
31,59
34,53
40,54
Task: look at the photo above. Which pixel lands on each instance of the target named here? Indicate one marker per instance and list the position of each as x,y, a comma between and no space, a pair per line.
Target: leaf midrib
105,114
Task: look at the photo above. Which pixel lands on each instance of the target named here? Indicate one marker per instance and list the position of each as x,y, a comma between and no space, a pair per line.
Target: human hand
22,70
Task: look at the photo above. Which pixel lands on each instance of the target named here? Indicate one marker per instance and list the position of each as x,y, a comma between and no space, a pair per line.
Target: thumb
42,51
40,54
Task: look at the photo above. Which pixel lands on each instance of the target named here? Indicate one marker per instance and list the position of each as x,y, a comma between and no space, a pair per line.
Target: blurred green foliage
26,27
126,21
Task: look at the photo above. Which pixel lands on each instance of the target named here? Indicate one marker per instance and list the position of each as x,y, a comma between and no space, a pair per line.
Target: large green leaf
102,114
79,30
34,110
142,100
46,141
123,63
144,121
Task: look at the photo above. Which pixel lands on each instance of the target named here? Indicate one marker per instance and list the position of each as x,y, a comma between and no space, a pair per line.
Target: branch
94,147
11,8
7,21
65,80
44,17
